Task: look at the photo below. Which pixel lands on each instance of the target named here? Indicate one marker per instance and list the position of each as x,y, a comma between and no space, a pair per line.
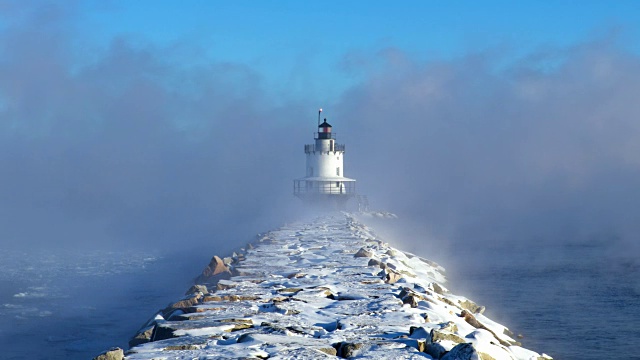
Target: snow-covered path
322,289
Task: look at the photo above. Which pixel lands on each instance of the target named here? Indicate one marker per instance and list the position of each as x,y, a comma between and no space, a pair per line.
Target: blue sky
299,46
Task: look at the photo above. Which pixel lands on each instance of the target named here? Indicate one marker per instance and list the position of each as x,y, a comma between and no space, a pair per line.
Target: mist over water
524,154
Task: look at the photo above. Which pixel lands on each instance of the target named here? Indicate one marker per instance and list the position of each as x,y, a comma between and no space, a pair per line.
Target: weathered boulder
348,349
439,289
418,332
437,335
390,276
248,337
449,302
418,344
363,253
407,291
435,341
143,336
186,303
111,354
225,284
471,320
435,350
462,352
237,256
145,333
216,270
239,326
449,326
411,299
215,267
195,289
162,332
393,277
471,306
328,350
375,262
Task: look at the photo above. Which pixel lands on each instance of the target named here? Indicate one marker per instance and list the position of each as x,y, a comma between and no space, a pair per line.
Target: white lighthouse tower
325,179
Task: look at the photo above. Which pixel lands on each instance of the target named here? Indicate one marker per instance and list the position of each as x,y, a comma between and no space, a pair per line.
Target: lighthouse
325,181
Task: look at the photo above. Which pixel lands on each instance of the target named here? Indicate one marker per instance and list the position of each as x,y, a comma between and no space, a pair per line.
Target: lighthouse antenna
319,112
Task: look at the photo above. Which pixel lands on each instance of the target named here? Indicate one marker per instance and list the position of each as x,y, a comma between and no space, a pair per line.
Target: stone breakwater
321,289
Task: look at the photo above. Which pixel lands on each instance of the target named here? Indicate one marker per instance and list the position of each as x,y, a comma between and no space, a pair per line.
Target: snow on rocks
326,288
111,354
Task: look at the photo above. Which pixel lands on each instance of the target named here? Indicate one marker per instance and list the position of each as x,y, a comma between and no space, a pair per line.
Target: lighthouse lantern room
325,169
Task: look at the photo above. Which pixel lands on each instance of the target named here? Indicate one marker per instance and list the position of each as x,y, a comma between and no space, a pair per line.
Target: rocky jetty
321,289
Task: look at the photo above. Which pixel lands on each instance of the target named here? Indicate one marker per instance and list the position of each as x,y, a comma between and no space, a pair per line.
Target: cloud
160,146
132,148
544,148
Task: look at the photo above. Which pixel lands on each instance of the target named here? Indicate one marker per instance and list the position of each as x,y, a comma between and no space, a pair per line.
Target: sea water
569,299
73,305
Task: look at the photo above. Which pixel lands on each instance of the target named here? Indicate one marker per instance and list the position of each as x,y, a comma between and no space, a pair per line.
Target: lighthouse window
338,171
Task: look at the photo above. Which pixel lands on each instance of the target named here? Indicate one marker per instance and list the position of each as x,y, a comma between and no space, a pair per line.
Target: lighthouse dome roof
325,124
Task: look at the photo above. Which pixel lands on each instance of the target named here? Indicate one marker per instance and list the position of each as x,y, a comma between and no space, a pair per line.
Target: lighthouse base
326,201
325,192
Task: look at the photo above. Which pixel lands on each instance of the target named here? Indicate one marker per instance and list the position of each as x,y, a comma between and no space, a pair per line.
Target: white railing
309,187
311,148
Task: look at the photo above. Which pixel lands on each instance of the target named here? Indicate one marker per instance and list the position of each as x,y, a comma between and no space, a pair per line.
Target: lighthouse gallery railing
306,187
310,148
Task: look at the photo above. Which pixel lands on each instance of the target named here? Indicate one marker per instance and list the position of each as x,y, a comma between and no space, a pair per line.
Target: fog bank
144,145
543,150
